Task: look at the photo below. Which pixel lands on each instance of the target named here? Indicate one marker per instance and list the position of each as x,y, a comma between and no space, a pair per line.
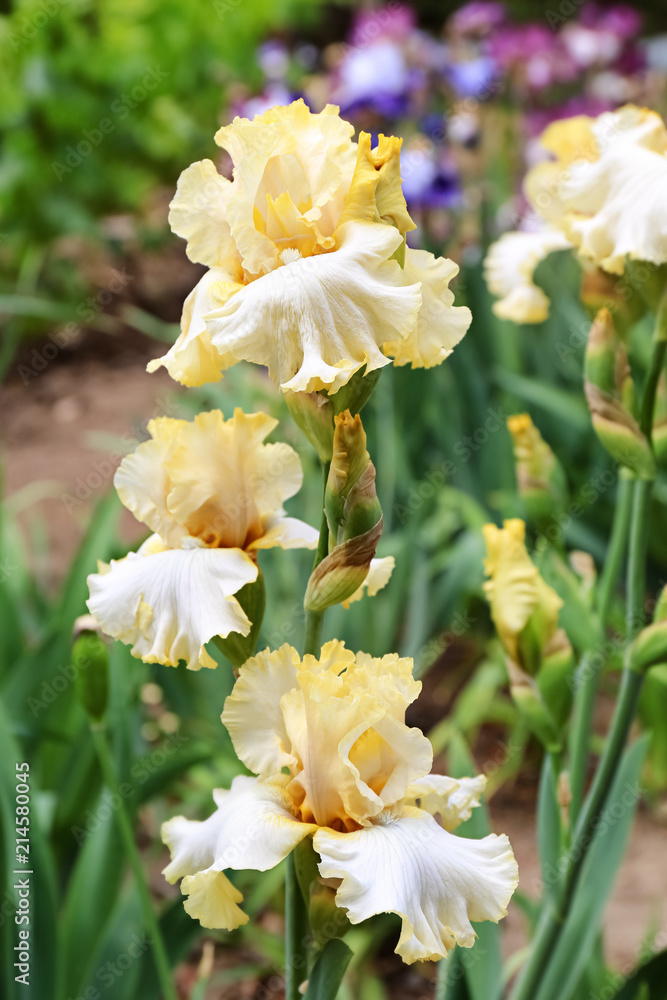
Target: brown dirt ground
103,387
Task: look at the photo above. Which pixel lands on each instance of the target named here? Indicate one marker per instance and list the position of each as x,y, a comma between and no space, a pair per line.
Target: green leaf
328,971
548,825
579,936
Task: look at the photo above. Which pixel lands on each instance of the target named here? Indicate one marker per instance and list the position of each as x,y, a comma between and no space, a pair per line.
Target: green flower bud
354,517
312,412
535,712
609,393
650,647
90,659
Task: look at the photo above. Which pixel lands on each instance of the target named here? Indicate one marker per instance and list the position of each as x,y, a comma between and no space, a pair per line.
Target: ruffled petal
315,321
193,360
509,268
143,484
617,205
440,324
198,213
253,714
436,882
378,577
287,150
226,481
169,604
453,799
213,901
253,827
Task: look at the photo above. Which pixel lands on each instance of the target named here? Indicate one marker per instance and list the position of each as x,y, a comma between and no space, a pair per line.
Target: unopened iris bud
608,388
354,517
555,675
312,412
90,659
524,608
540,477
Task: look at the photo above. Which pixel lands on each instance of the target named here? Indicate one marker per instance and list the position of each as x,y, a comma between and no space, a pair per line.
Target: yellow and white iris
301,247
212,492
602,193
335,761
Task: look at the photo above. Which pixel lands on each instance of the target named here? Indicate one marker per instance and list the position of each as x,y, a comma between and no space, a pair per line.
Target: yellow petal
450,798
376,192
198,213
213,900
193,360
142,481
225,481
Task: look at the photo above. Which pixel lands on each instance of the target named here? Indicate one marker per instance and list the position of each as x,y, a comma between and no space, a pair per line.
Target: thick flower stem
588,674
311,640
160,957
553,919
297,932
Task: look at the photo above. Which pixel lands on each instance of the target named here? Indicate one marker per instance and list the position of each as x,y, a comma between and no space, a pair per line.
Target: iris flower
335,761
302,249
212,492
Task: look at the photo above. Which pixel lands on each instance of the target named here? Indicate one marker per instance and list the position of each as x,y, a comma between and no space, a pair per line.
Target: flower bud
312,412
524,608
90,659
354,395
530,703
608,388
540,477
353,514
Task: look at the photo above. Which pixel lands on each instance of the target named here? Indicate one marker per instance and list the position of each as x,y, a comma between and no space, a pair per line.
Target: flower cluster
308,275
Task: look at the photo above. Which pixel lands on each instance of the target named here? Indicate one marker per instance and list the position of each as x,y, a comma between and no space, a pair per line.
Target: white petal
170,604
253,827
198,213
288,533
509,267
193,360
436,882
316,321
378,577
440,324
451,798
253,714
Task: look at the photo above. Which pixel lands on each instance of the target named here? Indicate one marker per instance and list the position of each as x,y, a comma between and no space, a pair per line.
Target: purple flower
477,18
472,78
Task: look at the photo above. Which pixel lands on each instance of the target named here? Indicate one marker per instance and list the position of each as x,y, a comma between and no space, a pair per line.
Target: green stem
296,914
296,934
127,836
311,642
553,919
588,673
